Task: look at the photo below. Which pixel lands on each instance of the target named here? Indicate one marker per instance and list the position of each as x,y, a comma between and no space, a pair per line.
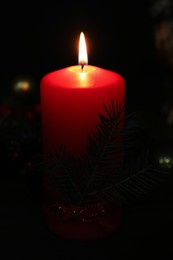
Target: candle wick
82,66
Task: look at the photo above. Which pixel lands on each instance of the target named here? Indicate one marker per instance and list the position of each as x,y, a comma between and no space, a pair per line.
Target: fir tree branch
135,185
105,131
63,173
98,174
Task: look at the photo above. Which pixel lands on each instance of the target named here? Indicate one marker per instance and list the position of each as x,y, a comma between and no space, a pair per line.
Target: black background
37,38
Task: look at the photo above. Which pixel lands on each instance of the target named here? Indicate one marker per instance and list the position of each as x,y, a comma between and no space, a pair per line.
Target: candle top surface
76,77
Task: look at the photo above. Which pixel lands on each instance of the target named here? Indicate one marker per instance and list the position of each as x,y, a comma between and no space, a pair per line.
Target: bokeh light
165,161
22,85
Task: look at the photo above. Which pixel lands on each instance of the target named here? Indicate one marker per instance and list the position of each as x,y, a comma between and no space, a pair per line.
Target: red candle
71,99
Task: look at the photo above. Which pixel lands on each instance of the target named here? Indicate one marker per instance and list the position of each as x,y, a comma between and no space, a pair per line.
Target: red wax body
71,99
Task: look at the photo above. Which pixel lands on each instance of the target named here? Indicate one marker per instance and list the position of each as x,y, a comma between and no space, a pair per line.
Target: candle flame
83,59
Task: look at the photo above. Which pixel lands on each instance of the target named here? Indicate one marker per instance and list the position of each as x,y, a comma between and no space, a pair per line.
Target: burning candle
71,99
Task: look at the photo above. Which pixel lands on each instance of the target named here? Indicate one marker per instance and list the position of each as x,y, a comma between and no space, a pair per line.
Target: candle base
76,227
88,222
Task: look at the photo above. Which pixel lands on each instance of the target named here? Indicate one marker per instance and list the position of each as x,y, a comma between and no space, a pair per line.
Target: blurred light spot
22,86
161,160
165,161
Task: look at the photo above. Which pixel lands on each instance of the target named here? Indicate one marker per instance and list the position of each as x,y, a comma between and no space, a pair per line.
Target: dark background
37,39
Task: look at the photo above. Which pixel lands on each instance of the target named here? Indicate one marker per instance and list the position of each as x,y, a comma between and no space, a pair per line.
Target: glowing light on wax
71,99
